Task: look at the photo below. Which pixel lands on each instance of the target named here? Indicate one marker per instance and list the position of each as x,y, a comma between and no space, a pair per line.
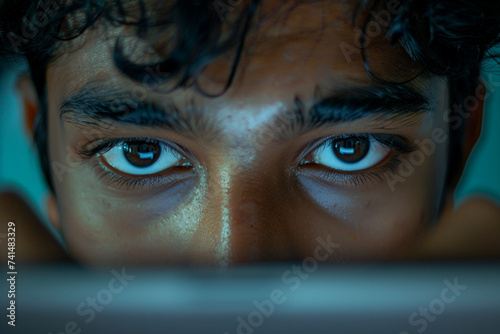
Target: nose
248,220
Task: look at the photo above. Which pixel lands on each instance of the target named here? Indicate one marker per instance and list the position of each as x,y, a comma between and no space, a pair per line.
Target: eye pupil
351,150
141,154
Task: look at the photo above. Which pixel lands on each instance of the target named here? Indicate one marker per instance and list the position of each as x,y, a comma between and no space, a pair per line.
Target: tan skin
249,190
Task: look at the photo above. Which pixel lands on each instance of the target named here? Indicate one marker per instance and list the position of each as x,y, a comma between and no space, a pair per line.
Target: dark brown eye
350,153
351,150
143,157
141,154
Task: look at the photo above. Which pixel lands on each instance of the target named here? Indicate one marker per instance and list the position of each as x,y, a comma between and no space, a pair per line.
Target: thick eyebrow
100,108
389,103
95,107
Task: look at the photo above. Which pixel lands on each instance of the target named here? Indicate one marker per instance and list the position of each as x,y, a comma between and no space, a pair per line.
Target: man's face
302,145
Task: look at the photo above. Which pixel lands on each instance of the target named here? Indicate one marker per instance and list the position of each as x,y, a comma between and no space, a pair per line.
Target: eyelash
105,145
108,176
360,179
363,178
128,183
395,143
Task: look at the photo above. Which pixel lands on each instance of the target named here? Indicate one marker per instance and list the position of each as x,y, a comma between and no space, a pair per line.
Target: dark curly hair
450,38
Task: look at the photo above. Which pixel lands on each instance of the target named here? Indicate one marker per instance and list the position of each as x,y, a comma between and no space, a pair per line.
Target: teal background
482,173
19,165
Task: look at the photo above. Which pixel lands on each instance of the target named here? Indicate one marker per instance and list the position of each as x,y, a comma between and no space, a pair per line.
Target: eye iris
351,150
141,154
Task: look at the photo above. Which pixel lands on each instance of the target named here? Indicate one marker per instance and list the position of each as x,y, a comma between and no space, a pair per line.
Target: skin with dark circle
246,196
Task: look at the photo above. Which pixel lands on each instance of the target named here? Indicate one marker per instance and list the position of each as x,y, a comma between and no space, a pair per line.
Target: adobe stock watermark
94,304
31,28
454,117
436,307
409,164
71,159
61,167
138,94
292,279
222,7
375,27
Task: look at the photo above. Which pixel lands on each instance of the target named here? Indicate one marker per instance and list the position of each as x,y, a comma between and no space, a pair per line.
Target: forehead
294,48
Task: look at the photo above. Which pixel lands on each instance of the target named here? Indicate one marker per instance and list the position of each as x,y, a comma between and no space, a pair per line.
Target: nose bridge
223,246
243,184
244,215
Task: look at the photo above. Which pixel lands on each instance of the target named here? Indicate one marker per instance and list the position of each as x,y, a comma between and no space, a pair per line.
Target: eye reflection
351,150
141,154
142,157
349,153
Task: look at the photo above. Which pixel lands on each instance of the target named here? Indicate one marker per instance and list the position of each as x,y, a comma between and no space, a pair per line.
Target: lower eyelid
360,179
119,182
